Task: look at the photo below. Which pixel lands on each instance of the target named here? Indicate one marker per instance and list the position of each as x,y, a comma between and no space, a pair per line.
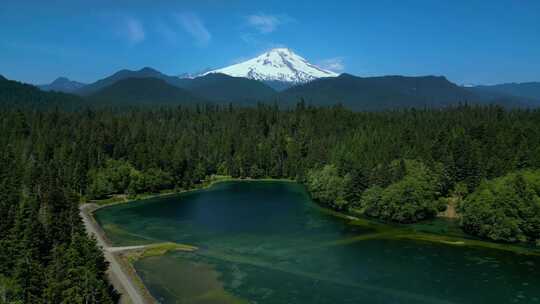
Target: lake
267,242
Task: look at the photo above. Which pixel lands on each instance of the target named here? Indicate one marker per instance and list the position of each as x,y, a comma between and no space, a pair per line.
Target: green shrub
505,209
414,197
328,187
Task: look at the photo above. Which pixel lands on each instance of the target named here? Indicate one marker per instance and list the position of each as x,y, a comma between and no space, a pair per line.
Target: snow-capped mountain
280,64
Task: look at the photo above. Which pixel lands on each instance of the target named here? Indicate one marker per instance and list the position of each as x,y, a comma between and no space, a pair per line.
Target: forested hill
379,93
143,92
125,74
14,94
526,92
221,88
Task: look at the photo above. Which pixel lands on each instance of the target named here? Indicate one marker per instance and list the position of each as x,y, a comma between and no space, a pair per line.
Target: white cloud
263,23
267,23
194,26
133,30
335,64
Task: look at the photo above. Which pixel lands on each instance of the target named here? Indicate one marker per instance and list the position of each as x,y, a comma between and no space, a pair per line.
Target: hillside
14,94
143,91
125,74
223,88
527,92
378,93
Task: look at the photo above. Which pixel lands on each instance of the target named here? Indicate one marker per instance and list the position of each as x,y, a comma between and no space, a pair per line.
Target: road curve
118,276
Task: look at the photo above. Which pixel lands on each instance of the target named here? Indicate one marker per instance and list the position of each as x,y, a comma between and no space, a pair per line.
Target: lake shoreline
382,231
403,231
205,185
121,264
393,236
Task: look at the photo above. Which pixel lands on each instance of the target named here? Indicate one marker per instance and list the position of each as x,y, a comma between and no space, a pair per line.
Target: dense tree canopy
45,254
412,195
328,187
118,176
506,208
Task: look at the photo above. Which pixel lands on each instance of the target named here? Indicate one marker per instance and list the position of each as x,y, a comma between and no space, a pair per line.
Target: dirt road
118,276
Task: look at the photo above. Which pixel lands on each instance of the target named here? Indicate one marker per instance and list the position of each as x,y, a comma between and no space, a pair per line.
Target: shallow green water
266,242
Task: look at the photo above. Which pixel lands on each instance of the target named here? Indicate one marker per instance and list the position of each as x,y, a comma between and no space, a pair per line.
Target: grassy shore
434,231
157,250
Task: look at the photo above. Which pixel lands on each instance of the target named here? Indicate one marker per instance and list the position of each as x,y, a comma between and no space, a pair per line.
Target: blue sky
481,42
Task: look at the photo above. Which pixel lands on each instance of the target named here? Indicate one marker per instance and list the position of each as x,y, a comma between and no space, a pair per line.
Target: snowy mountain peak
279,64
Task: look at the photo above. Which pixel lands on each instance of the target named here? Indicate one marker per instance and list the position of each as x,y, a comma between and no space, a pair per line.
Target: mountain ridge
354,92
220,88
15,94
379,93
62,84
529,90
144,91
145,72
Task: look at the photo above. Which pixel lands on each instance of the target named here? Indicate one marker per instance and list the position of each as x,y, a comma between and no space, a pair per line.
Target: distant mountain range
62,84
379,93
283,77
527,91
150,87
210,88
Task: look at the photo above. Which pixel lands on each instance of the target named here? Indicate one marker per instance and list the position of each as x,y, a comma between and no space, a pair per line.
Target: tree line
398,166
